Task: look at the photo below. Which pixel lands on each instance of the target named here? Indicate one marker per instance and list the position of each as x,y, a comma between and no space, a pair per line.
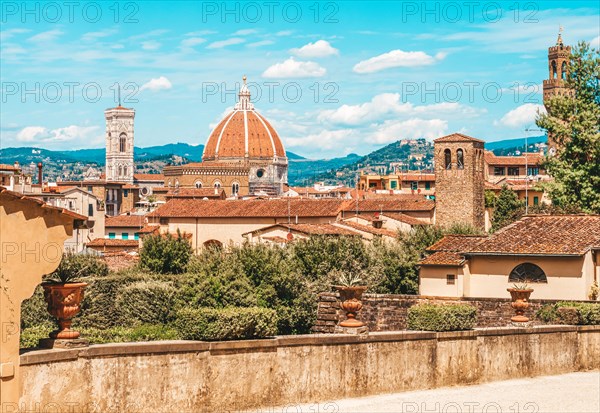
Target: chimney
39,165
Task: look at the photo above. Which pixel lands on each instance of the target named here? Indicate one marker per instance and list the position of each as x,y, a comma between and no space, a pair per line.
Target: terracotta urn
64,302
520,302
351,303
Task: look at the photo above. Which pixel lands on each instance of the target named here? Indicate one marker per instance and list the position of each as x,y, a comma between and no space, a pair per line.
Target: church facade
243,155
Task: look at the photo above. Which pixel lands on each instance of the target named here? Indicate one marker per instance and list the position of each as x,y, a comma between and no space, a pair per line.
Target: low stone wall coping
270,344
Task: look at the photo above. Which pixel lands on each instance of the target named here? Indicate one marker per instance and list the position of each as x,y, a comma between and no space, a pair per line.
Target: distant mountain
304,171
514,143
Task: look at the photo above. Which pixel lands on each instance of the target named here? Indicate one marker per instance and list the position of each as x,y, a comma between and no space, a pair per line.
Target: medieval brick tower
459,180
558,64
119,144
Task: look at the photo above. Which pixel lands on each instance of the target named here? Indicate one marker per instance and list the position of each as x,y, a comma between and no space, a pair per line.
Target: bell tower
459,181
119,144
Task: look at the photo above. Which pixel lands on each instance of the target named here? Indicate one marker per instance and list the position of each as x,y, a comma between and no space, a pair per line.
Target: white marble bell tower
119,144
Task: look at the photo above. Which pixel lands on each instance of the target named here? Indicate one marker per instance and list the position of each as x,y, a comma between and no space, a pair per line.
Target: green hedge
146,302
568,312
226,324
431,317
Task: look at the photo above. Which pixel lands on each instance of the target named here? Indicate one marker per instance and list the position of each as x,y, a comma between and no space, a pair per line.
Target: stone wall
188,376
389,312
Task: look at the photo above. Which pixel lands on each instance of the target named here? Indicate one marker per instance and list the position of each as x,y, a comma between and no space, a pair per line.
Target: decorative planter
520,302
64,302
351,303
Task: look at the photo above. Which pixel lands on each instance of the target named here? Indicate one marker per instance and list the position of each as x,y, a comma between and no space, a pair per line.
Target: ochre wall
227,376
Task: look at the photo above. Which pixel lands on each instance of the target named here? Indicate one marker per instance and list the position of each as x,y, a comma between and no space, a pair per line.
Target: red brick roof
42,204
368,228
457,137
115,242
416,177
149,177
131,221
6,167
444,258
310,229
195,193
272,208
457,243
543,235
406,219
398,203
533,159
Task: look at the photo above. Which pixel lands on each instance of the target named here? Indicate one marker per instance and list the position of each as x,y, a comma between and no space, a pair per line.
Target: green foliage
508,209
146,302
431,317
31,335
586,313
74,266
226,324
165,254
34,310
490,199
573,121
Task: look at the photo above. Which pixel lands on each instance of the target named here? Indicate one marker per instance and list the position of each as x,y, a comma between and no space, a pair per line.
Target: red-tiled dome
244,134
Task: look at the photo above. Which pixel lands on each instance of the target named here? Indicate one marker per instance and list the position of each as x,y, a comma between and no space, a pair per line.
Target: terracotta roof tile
42,204
457,243
115,242
457,137
7,167
275,208
196,193
125,221
406,219
310,229
544,235
443,258
149,177
367,228
532,159
397,203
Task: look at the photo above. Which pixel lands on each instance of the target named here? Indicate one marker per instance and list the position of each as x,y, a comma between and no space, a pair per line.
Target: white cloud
46,36
201,33
595,43
521,116
396,58
150,45
223,43
191,42
7,34
392,130
94,36
245,32
320,48
387,105
40,134
261,43
294,69
158,83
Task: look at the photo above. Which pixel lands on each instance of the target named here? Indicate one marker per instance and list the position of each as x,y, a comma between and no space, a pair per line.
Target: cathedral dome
243,134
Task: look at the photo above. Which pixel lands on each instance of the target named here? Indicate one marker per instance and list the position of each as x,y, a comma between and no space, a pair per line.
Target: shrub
568,315
567,312
431,317
165,254
144,332
34,310
146,302
547,313
226,324
31,336
74,266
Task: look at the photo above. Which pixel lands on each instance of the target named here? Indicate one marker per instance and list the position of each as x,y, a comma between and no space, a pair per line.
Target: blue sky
332,77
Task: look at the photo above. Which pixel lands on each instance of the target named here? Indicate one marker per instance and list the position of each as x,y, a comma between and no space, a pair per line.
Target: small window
136,236
90,188
217,185
393,184
450,279
499,170
124,235
533,171
260,173
563,71
122,142
90,210
527,272
414,185
513,171
197,184
536,200
427,186
112,235
235,188
460,159
164,221
447,159
126,193
553,69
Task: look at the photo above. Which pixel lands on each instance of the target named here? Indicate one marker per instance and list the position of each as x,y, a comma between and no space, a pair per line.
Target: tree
573,122
165,254
508,208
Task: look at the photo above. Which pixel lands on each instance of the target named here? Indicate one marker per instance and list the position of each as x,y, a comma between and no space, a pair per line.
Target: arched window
122,142
527,272
447,159
124,171
120,171
460,159
198,184
235,188
553,69
217,184
213,243
563,71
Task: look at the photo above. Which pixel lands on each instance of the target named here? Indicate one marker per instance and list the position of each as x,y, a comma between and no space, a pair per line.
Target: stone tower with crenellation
558,68
119,144
459,180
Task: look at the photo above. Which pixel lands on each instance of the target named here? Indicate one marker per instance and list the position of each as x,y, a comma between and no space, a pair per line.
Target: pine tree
507,209
573,121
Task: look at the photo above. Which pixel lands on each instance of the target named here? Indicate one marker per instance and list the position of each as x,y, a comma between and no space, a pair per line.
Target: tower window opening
198,184
447,159
217,185
235,188
122,142
460,159
554,70
563,71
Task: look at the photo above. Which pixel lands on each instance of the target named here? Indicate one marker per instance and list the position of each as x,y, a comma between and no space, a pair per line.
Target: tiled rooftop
367,228
132,221
397,203
457,137
107,242
444,258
